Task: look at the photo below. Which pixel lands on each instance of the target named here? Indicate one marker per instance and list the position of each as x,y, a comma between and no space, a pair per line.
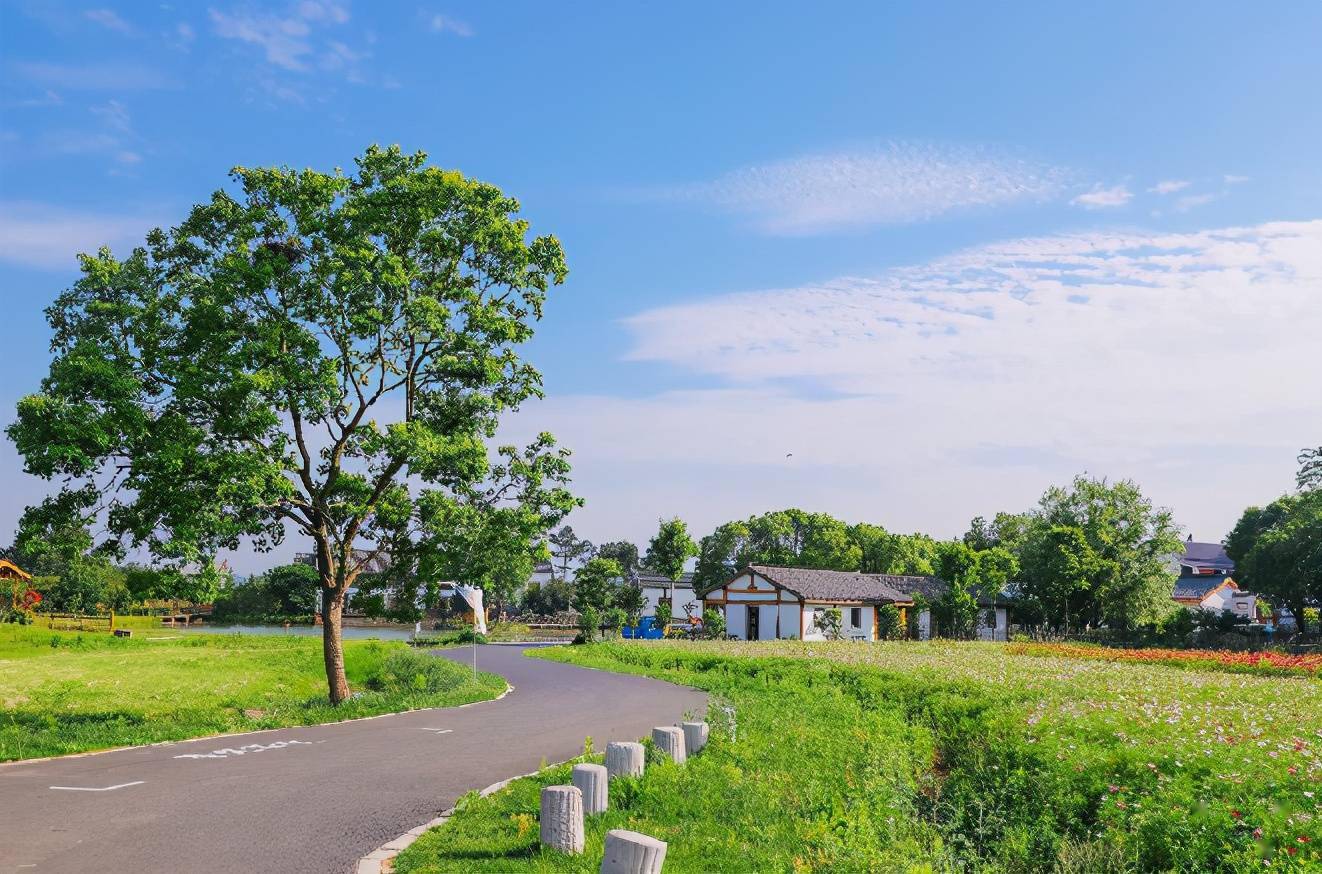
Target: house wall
993,624
925,625
735,621
652,596
861,631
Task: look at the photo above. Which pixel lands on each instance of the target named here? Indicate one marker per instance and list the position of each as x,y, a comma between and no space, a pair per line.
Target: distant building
657,588
1205,581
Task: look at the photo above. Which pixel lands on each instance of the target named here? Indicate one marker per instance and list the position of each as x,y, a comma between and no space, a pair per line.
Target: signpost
473,597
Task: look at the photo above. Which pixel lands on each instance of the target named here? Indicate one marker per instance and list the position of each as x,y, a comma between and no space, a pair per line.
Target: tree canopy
670,549
326,353
1277,551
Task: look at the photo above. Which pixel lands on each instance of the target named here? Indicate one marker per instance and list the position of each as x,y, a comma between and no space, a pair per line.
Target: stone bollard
695,736
632,853
625,759
670,740
591,781
562,818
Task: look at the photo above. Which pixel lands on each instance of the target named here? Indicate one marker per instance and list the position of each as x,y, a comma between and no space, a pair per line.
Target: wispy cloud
1104,198
894,184
50,237
448,24
110,20
295,44
1232,179
1193,201
1169,186
965,385
127,76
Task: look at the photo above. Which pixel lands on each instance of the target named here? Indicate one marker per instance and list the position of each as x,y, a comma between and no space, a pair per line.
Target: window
856,617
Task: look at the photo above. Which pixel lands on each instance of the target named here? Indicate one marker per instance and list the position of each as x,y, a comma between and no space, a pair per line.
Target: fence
77,621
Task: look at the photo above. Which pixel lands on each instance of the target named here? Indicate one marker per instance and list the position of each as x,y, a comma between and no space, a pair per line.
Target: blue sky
945,254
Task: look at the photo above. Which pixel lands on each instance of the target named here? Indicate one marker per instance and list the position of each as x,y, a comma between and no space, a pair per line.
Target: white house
1215,593
770,603
679,592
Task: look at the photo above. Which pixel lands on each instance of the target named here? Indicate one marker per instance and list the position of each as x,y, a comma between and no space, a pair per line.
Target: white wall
652,595
789,620
998,628
735,615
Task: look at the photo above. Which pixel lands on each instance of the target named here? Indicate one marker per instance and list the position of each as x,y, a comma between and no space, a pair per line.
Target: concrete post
670,740
695,736
562,818
632,853
625,759
591,780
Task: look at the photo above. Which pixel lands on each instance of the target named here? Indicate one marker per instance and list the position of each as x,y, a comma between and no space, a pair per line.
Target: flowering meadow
950,756
1260,662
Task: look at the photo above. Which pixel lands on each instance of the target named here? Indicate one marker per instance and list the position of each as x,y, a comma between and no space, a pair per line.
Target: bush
589,623
713,623
409,672
888,622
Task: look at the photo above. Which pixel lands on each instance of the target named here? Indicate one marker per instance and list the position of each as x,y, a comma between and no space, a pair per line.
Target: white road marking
98,788
244,750
437,730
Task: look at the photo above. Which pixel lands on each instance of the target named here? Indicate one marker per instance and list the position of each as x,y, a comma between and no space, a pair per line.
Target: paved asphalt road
316,799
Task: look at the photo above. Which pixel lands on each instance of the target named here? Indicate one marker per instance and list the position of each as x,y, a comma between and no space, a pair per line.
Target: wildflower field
948,757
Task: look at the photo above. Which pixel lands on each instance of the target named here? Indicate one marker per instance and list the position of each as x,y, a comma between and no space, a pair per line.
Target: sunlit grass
64,692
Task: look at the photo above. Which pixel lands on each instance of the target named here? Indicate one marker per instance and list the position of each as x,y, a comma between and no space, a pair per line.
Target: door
753,624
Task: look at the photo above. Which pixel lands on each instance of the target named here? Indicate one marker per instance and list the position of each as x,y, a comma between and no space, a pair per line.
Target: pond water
349,633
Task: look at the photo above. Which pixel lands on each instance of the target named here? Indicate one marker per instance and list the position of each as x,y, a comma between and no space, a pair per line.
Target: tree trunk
332,646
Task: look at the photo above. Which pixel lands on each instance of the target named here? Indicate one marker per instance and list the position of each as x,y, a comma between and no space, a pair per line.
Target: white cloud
49,237
1193,201
1231,179
1169,186
295,42
110,20
447,24
1104,198
895,184
968,384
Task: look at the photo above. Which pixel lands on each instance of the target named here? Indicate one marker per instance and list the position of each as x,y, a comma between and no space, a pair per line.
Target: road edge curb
375,861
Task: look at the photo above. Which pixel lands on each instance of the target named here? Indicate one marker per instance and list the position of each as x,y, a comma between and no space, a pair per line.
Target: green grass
943,756
64,692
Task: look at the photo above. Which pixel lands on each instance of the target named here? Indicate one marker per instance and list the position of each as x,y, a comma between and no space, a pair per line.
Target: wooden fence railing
77,621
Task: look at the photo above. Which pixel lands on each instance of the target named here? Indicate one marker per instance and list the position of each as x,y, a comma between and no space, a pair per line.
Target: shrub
713,623
589,623
405,671
888,622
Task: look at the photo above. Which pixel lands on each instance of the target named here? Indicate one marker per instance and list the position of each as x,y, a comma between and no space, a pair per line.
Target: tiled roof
816,584
1199,587
1207,557
647,578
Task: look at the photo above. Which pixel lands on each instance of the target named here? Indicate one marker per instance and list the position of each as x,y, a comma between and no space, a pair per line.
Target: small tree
567,549
713,623
594,585
629,598
614,619
589,623
670,549
623,552
663,616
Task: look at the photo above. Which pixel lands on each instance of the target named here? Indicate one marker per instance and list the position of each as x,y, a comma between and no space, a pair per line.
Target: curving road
318,798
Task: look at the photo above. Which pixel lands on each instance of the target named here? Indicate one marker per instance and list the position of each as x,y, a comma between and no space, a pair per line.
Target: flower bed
1257,662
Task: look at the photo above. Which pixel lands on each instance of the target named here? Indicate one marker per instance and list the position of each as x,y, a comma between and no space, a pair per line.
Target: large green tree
1099,552
314,352
785,538
670,549
622,552
1278,551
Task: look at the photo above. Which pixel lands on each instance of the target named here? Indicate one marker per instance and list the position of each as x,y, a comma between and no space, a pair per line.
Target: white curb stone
695,736
625,759
591,780
670,740
632,853
562,819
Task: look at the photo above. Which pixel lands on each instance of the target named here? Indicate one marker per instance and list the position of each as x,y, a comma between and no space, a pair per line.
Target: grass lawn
944,756
65,692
